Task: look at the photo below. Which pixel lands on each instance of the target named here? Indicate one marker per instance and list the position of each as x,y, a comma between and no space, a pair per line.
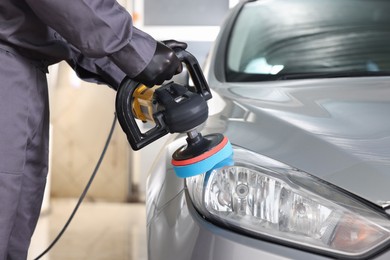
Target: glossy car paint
336,129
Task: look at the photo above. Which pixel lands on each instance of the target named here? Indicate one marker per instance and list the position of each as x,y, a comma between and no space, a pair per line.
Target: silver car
302,90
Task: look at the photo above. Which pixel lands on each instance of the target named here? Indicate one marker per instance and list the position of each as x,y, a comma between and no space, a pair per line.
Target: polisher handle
123,105
196,73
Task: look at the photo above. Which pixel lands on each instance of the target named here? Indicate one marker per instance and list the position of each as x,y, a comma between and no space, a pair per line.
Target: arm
96,70
98,28
103,70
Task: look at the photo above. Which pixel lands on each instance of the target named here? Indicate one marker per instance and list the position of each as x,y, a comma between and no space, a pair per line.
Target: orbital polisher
173,108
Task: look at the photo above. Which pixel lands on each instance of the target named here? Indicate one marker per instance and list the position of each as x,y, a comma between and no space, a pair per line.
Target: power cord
82,196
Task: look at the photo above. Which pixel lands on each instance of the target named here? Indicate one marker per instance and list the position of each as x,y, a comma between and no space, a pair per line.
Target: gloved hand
164,64
173,44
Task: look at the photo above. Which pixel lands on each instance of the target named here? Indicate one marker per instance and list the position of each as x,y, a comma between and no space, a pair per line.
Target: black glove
173,44
164,64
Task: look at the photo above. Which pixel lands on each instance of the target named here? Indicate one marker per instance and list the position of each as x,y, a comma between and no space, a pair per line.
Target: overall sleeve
98,28
96,70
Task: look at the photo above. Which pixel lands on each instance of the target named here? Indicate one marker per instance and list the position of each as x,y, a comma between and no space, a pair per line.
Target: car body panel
176,231
336,129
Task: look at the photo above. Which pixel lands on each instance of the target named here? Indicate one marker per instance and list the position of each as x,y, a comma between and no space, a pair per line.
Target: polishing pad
201,157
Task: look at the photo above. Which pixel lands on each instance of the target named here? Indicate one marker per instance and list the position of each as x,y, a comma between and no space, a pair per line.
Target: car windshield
282,39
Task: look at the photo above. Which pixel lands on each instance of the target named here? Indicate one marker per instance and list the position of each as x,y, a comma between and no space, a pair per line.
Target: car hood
335,129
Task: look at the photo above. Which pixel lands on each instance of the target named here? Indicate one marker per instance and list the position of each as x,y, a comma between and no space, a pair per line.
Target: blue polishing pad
207,164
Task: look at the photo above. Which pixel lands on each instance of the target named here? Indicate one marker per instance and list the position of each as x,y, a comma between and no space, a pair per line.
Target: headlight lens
263,197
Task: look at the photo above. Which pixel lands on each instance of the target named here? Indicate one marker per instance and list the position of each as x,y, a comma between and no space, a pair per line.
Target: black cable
82,196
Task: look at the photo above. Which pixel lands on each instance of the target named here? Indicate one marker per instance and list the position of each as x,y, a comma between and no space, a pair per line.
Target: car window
275,38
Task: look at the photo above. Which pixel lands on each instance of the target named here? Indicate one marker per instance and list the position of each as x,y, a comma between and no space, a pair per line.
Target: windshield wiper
341,74
244,77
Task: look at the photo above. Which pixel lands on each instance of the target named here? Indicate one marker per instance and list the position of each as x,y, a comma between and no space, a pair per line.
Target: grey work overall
97,39
24,120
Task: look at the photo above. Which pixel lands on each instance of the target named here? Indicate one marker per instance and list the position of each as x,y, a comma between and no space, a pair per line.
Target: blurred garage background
110,224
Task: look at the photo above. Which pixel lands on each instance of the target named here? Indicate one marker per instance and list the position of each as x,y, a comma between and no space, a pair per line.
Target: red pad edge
202,156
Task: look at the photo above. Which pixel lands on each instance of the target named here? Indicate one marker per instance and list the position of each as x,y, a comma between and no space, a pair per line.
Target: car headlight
263,197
